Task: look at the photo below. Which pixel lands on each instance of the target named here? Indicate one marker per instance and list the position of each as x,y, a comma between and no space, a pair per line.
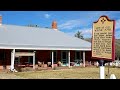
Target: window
30,59
77,55
64,55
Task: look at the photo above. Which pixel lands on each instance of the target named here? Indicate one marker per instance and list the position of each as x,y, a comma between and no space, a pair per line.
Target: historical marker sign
103,39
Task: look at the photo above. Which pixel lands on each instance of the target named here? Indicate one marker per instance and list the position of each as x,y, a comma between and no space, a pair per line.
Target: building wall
5,58
72,56
43,56
88,56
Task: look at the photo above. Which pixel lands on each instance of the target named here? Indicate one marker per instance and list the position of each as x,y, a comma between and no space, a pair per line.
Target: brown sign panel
103,39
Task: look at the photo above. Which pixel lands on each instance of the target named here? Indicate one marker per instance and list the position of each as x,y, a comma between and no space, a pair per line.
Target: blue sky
68,21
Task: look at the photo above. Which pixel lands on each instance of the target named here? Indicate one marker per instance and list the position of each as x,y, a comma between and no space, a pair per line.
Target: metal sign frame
103,20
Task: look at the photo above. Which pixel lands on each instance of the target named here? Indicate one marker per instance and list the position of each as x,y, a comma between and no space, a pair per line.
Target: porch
30,58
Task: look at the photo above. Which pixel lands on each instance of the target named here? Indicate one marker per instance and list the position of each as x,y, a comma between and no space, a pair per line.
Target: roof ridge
25,26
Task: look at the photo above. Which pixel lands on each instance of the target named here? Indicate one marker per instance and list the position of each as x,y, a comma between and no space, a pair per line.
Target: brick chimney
54,25
0,20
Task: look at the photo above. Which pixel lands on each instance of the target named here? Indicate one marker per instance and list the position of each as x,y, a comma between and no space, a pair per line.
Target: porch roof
23,37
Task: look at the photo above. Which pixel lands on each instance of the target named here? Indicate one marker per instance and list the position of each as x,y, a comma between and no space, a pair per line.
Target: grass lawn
72,73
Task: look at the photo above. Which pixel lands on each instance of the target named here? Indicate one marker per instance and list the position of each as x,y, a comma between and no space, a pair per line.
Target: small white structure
102,72
112,76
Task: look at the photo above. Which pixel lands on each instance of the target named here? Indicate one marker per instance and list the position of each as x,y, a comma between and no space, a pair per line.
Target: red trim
105,17
113,40
92,40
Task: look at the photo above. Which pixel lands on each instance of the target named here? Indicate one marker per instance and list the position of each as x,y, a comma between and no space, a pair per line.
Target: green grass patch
72,73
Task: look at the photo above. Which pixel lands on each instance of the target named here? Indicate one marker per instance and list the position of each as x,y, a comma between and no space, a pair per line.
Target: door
64,58
30,59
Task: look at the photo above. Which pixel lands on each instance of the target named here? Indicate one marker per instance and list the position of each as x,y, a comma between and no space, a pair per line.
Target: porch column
84,58
12,59
69,59
52,59
34,60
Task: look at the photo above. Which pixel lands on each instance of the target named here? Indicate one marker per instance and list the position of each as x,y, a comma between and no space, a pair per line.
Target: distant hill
88,39
117,41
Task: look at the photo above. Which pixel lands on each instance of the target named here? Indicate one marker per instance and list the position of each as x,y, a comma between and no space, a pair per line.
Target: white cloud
117,35
87,32
117,29
70,24
46,15
117,24
85,22
70,33
85,19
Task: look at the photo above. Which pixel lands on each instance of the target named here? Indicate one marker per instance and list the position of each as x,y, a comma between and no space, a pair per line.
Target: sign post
102,68
103,42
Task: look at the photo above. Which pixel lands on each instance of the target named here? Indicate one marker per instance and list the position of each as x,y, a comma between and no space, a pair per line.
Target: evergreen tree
79,35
